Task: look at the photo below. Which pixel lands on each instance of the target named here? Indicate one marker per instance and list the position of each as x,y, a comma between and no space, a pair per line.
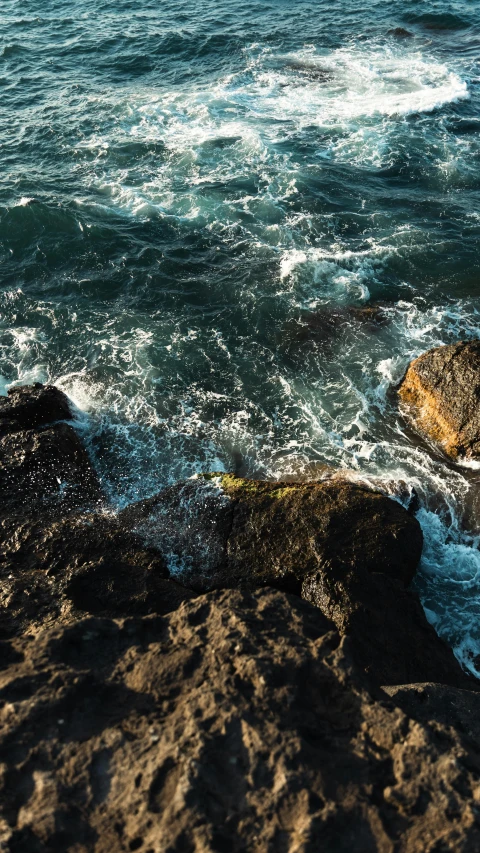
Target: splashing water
196,215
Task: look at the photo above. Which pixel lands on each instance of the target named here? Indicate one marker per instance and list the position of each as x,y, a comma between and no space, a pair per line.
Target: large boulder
46,465
441,393
30,406
221,530
349,550
239,722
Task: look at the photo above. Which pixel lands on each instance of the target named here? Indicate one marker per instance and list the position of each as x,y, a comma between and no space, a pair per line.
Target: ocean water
199,200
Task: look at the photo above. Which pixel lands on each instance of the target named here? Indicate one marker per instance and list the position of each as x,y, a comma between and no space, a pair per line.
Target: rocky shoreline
230,665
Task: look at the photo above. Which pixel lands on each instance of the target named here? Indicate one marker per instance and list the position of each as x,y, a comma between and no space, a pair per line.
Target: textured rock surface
53,568
233,721
56,560
32,406
347,549
227,530
41,457
441,391
46,465
457,709
236,723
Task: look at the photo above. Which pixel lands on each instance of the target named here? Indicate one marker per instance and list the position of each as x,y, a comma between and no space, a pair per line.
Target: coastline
291,652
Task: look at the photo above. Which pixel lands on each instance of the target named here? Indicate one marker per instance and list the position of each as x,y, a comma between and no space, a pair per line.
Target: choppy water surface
195,201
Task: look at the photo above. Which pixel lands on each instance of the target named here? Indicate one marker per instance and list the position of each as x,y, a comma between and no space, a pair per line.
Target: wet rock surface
238,722
57,556
278,533
325,328
30,406
42,459
441,393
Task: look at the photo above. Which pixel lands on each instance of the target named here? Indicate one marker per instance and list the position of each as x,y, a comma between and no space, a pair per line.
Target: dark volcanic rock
41,457
325,327
441,391
55,560
237,723
392,639
32,406
46,465
400,33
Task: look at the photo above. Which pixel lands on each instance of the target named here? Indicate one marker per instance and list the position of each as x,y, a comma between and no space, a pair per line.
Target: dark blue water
198,200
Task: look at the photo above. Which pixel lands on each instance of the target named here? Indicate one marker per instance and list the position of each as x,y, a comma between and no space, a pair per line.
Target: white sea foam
350,102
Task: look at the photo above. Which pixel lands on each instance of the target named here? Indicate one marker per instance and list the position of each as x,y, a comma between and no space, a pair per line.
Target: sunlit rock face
441,392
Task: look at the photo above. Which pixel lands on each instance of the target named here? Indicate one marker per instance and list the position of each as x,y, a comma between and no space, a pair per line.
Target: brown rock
349,550
224,530
237,723
52,568
441,392
282,532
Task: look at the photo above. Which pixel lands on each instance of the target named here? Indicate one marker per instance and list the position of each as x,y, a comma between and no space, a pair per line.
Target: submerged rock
400,33
239,722
323,328
441,393
46,465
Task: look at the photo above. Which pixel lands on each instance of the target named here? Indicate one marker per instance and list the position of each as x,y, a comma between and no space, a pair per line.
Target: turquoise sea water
195,200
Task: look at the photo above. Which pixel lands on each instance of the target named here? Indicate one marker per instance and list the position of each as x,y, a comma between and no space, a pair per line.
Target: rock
391,638
400,33
327,326
311,70
222,530
31,406
441,392
46,465
239,722
54,567
41,457
56,559
347,549
437,703
282,532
